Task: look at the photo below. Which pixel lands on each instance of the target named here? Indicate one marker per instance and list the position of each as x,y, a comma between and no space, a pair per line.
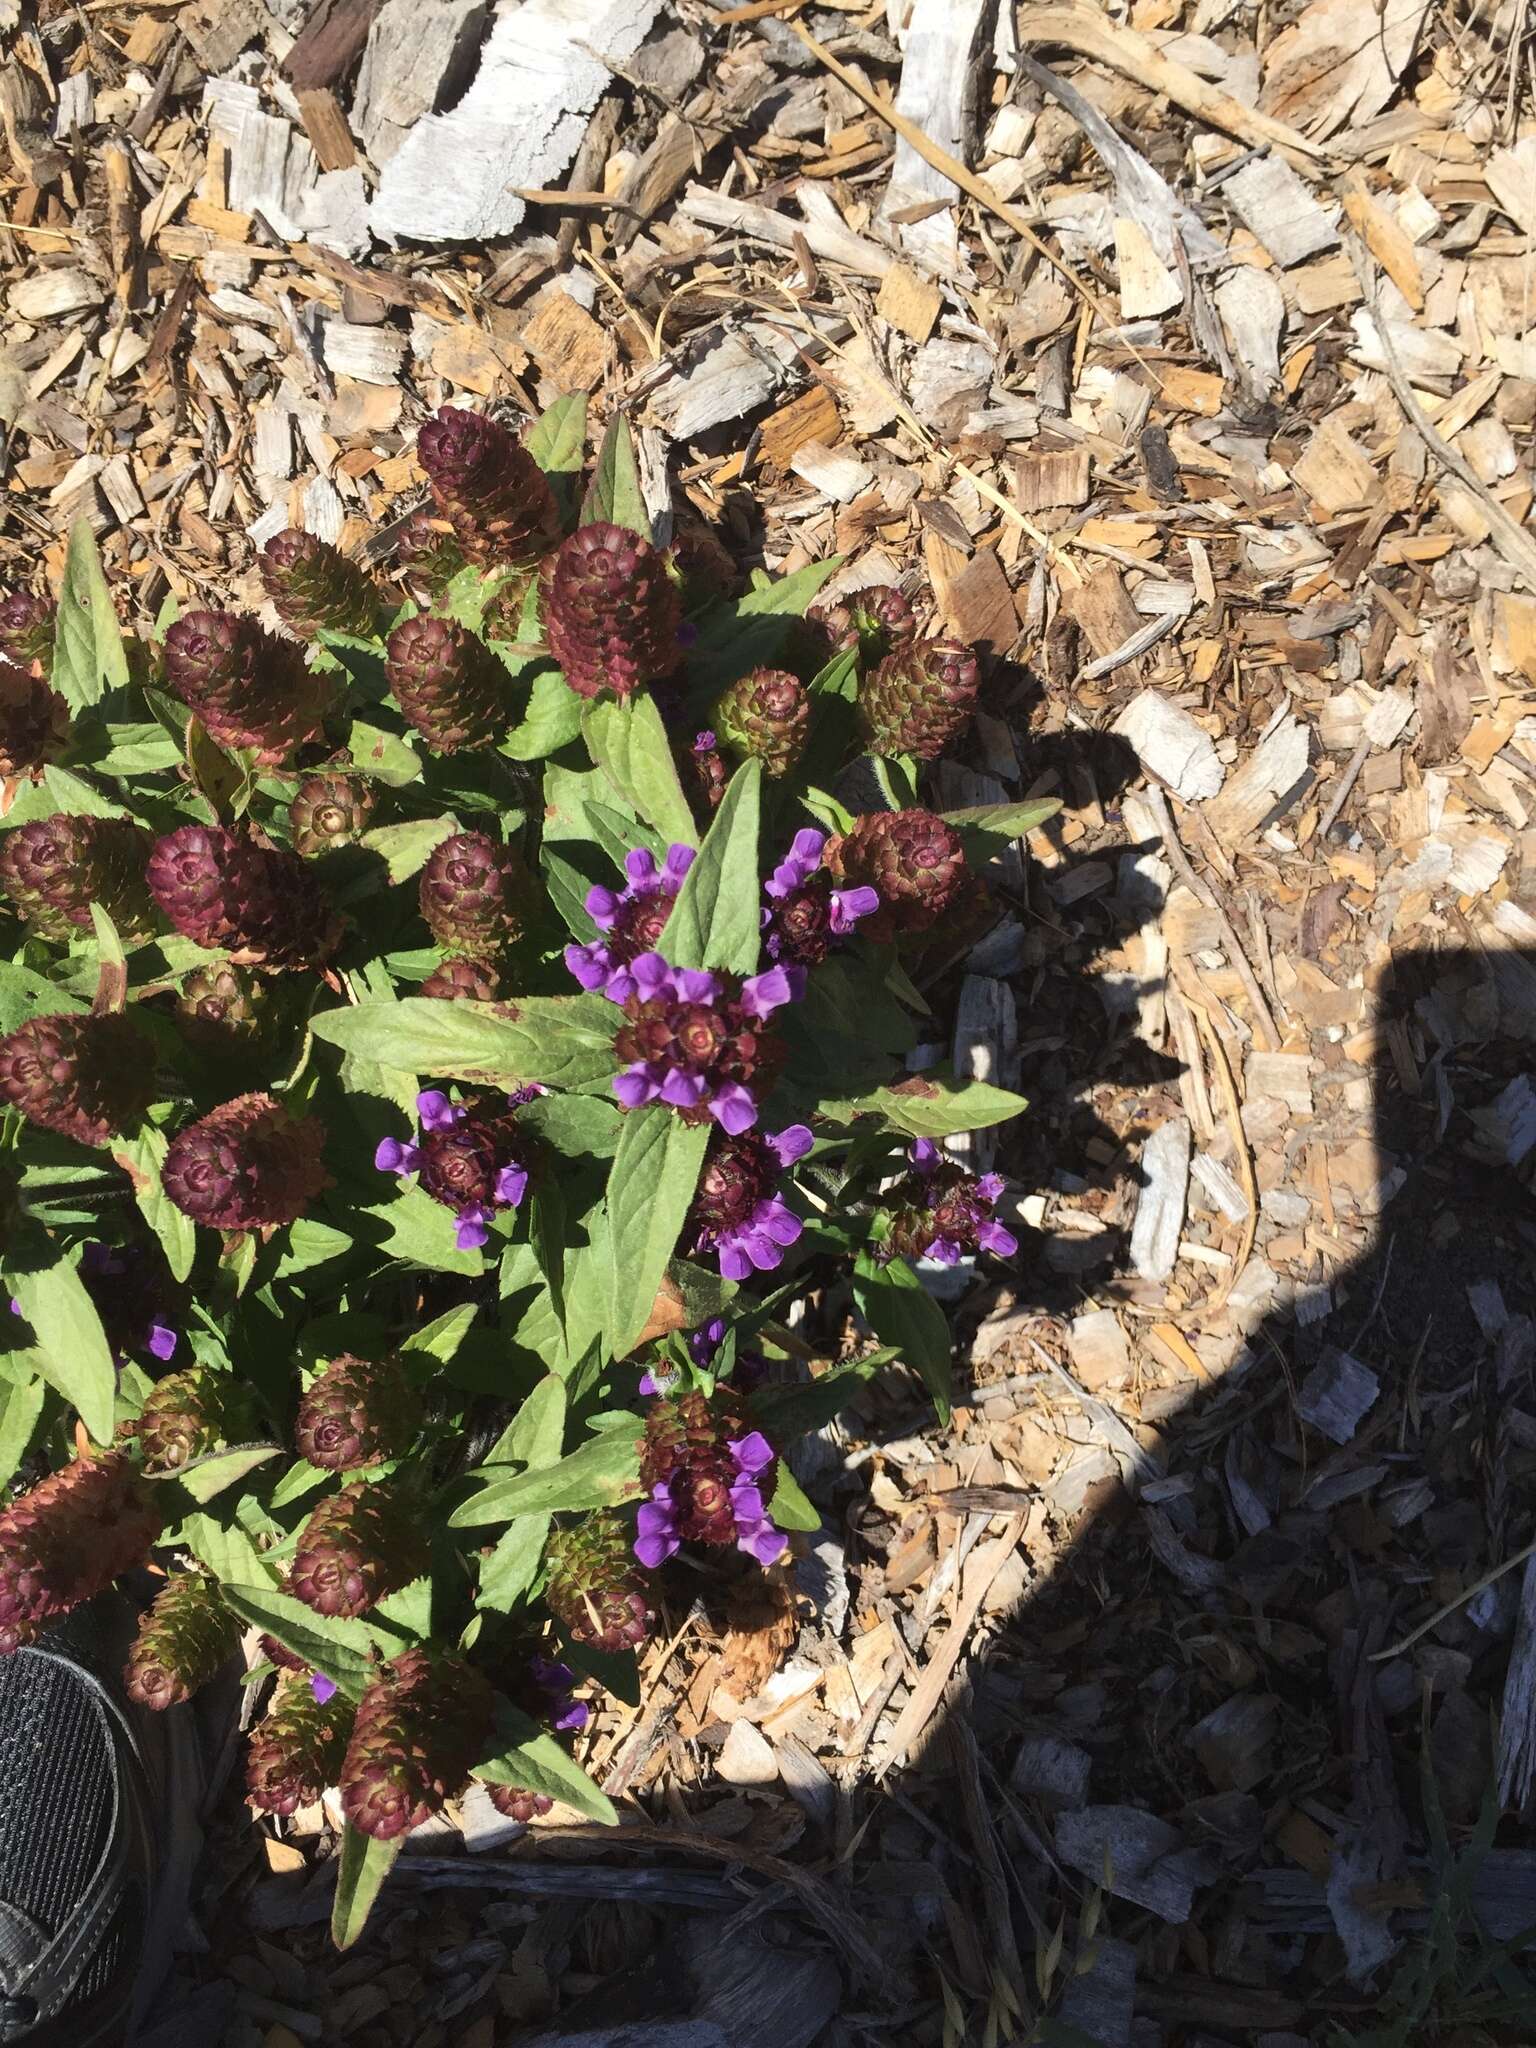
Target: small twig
1346,783
1157,803
952,168
1440,1614
1225,1076
1510,537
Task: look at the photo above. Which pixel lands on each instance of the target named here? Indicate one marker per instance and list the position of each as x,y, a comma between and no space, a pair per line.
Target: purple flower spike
849,905
435,1112
805,916
472,1231
559,1680
656,1532
704,1342
762,994
939,1211
755,1533
733,1109
322,1687
630,919
798,865
753,1453
792,1143
469,1156
393,1156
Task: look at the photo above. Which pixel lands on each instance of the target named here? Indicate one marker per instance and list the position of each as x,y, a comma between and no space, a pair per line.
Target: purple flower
467,1160
737,1211
705,1341
121,1281
755,1532
656,1530
941,1212
804,913
692,1039
322,1687
705,742
631,919
559,1680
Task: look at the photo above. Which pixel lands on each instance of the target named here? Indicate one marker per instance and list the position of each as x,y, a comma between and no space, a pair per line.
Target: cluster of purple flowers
693,1041
738,1212
452,1153
950,1208
631,920
804,913
659,1529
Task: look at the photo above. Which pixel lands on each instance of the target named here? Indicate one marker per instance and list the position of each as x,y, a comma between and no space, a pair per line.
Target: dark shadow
1174,1798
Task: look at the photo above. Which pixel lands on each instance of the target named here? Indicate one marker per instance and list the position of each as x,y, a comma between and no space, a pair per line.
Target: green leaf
582,1126
752,630
25,994
931,1106
789,1507
227,1551
70,1346
717,918
903,1314
404,848
76,798
536,1432
383,755
598,1474
561,1041
788,1412
529,1755
557,441
88,657
340,1647
142,1158
20,1407
423,1231
135,750
205,1477
365,1863
617,1672
300,1480
655,1172
628,741
614,493
551,721
440,1339
511,1571
986,829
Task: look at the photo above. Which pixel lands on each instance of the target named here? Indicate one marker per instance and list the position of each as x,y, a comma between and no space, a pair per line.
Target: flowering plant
438,1041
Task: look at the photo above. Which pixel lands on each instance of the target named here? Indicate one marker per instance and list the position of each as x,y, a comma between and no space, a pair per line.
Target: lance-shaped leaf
717,918
655,1172
560,1041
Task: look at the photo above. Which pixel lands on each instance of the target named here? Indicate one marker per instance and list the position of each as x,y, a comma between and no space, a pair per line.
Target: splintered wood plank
979,607
1103,610
1046,481
326,126
909,302
329,43
813,416
566,342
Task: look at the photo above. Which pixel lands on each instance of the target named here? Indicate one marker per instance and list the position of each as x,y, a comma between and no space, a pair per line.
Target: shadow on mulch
1179,1802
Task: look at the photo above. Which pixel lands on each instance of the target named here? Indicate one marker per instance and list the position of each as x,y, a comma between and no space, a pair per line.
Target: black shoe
99,1835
